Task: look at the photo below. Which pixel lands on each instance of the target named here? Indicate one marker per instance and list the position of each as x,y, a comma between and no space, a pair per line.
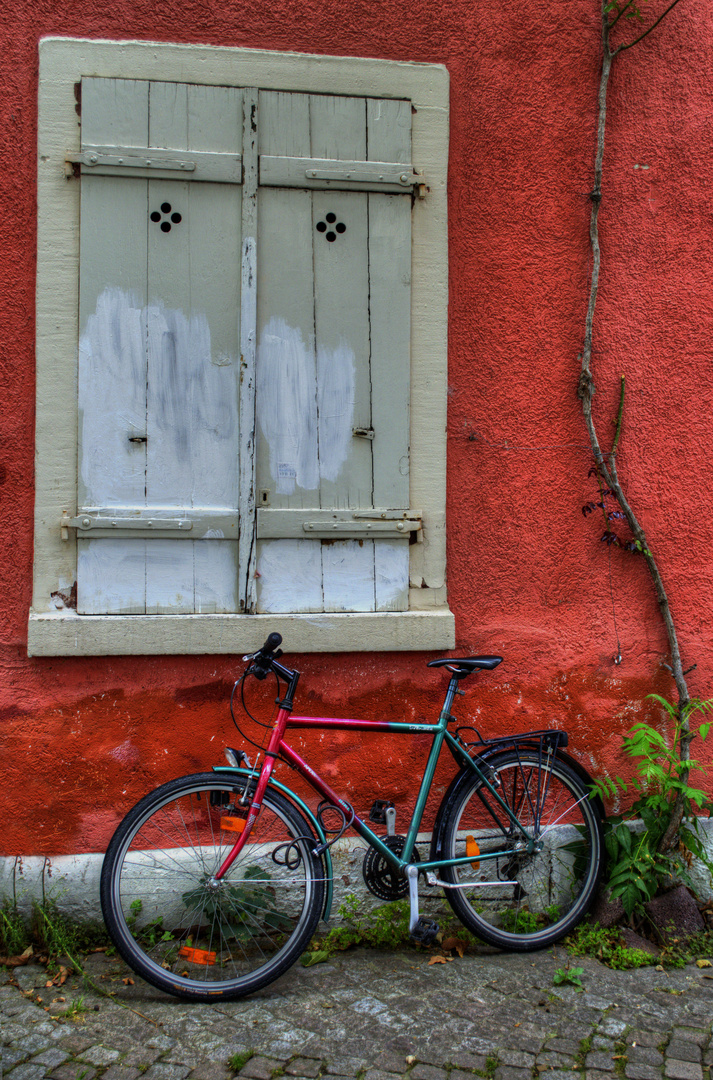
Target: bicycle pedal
378,810
424,932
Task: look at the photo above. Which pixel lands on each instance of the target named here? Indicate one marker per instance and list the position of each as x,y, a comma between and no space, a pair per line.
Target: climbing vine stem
612,11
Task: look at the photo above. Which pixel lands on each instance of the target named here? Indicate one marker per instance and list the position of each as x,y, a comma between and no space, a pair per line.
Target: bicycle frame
279,748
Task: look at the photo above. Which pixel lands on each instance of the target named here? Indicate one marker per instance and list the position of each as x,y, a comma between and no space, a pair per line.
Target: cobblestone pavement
373,1015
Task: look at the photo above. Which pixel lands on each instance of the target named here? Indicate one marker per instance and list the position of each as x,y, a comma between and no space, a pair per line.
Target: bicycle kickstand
422,930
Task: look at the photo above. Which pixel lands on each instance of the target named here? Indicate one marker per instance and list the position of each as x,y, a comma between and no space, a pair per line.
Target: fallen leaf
61,976
128,981
17,961
309,959
437,960
703,963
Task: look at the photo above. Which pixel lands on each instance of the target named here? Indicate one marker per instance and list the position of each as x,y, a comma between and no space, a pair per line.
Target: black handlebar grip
272,643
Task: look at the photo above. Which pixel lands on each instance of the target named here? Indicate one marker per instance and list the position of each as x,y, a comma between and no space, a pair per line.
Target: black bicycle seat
466,665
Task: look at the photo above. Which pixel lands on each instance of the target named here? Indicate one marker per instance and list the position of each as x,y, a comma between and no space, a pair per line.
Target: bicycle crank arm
433,880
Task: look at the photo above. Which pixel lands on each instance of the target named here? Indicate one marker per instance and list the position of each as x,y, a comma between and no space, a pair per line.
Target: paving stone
120,1072
516,1058
507,1072
380,1074
593,1074
76,1042
141,1055
51,1058
683,1070
427,1072
11,1055
159,1071
558,1045
645,1038
260,1068
28,1071
465,1060
601,1042
34,1044
517,1040
210,1070
645,1055
161,1042
637,1071
72,1071
100,1055
691,1034
303,1067
555,1061
683,1050
599,1060
342,1066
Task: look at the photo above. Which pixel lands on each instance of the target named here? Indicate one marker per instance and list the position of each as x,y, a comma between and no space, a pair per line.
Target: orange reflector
232,824
197,956
471,848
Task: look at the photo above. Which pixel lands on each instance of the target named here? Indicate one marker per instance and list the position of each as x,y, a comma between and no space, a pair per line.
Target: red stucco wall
528,576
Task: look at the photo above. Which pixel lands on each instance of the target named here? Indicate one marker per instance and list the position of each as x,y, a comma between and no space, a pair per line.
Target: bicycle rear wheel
183,931
513,897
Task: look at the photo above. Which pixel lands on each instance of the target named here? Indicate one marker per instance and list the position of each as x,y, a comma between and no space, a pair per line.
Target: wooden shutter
334,269
159,353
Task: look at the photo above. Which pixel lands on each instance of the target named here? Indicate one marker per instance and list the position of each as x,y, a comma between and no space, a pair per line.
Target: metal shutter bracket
338,524
152,162
138,525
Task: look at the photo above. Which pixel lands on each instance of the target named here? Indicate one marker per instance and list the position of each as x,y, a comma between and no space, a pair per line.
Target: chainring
380,877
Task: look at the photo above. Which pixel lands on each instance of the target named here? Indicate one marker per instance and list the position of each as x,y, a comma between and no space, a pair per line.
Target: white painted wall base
72,881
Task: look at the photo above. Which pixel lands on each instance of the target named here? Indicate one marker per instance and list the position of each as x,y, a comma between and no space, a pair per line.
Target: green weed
385,927
519,922
637,869
76,1008
237,1061
590,939
570,976
13,934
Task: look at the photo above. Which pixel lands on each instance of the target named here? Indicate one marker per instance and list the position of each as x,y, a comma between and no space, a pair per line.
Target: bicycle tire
178,929
523,901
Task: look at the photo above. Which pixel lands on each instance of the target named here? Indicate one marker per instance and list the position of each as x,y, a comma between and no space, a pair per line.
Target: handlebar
265,660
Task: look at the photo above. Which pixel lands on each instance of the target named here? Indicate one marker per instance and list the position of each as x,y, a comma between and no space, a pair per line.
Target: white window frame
56,629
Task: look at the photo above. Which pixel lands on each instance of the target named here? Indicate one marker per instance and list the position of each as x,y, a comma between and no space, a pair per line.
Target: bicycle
213,884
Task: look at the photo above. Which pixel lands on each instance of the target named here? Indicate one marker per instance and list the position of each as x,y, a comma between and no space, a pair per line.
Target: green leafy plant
386,927
638,866
569,976
239,909
520,922
590,939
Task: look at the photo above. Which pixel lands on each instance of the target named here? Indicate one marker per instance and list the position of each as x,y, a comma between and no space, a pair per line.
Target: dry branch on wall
612,12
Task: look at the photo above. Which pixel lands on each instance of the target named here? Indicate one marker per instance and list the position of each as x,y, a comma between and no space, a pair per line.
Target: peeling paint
305,406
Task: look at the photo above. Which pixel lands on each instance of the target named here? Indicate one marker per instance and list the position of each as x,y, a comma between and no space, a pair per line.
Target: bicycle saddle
466,665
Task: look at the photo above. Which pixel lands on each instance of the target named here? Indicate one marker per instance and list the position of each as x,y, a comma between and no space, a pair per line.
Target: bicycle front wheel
180,928
526,886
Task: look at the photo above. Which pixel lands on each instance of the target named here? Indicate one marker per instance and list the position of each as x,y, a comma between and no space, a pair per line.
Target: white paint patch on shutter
335,407
188,408
287,406
112,372
307,427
